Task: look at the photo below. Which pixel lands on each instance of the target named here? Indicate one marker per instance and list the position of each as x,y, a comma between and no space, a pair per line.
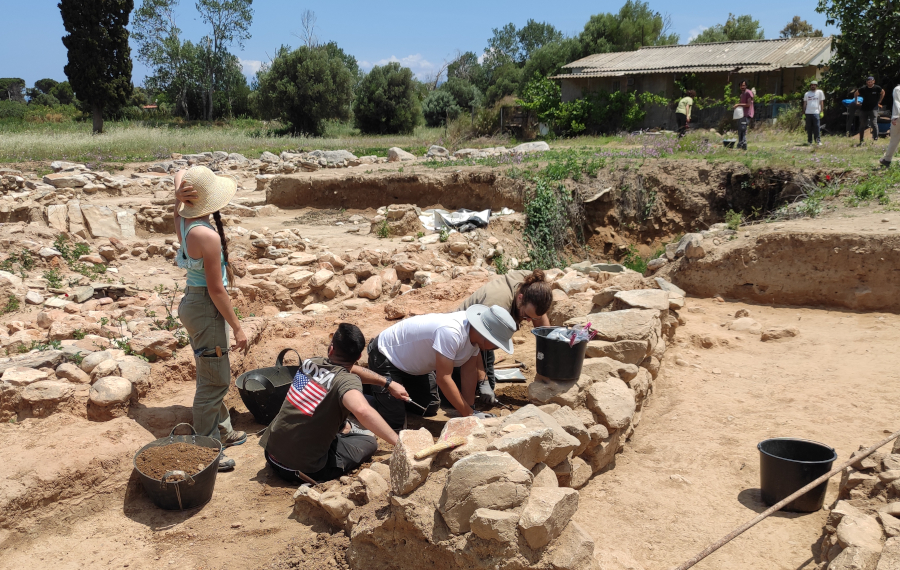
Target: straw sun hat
213,192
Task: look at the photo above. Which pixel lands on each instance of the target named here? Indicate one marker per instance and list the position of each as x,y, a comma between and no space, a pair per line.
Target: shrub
44,99
12,109
733,220
387,102
305,87
439,107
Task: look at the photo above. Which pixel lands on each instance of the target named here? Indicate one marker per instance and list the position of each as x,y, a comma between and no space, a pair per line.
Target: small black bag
264,390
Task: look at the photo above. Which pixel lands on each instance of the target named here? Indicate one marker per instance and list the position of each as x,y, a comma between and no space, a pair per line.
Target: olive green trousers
208,329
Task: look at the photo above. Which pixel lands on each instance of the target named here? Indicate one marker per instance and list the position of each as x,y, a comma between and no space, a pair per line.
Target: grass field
144,141
147,141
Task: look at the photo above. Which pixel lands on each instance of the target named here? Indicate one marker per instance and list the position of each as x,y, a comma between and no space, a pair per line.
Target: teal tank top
196,276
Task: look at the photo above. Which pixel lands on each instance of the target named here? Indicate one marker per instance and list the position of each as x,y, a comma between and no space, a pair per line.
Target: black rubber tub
786,465
555,359
178,490
264,390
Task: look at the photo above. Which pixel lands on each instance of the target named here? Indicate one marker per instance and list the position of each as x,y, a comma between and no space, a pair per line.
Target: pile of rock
440,153
863,528
475,506
692,246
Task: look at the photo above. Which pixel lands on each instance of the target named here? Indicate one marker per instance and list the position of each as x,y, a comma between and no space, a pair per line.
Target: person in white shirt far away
895,130
814,105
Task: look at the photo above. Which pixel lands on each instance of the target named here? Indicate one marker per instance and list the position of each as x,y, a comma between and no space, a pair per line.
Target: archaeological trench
504,499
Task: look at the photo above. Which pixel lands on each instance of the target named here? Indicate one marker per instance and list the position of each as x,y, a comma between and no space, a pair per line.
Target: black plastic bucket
178,490
786,465
555,358
263,391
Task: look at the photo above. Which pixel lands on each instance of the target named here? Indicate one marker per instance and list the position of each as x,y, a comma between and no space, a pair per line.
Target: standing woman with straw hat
206,311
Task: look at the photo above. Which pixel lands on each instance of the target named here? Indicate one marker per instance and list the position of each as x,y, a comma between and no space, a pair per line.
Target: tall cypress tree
99,67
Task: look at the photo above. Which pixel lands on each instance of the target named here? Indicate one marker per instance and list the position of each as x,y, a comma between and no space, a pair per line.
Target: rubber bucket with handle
786,465
264,390
178,490
555,359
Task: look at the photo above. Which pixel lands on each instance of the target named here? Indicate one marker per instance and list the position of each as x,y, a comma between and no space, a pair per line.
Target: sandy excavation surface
691,473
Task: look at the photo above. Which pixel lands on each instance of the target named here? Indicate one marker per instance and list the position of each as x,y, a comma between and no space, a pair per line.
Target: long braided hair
228,270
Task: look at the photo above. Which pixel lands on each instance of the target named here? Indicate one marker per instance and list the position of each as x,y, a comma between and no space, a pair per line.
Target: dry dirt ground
689,475
691,472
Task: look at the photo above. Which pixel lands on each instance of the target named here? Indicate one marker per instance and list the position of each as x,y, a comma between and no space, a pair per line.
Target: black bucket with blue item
557,359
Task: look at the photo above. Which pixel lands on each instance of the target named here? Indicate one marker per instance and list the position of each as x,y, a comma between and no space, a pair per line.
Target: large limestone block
612,402
890,555
627,351
111,390
10,285
336,504
126,220
546,514
656,299
557,447
396,154
602,452
21,376
472,430
101,221
294,279
70,372
630,324
376,485
563,392
495,525
76,219
155,343
486,480
860,530
573,425
48,392
371,288
528,446
574,550
407,472
58,217
855,558
544,476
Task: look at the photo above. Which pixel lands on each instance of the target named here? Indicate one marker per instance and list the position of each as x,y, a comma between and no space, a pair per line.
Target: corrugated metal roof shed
757,55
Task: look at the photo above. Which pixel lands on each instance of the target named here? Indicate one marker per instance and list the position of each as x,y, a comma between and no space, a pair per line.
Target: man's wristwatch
387,382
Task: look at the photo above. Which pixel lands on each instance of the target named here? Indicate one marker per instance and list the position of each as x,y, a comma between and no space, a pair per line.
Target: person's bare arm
471,373
367,416
880,99
368,377
444,371
687,113
211,248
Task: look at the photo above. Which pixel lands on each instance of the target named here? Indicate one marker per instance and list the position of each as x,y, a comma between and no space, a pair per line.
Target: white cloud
692,35
420,66
250,66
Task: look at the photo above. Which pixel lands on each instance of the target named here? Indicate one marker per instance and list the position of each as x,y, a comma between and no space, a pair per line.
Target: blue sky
420,36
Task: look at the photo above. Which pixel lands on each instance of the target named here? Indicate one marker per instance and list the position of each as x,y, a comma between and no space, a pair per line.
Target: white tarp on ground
435,219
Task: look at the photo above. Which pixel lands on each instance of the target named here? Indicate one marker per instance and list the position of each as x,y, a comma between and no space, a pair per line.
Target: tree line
307,86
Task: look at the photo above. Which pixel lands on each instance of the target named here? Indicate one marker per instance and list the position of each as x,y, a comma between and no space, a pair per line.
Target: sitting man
421,352
311,433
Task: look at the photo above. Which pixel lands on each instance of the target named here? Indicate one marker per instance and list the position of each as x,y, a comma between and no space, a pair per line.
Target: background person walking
872,95
814,105
206,310
895,130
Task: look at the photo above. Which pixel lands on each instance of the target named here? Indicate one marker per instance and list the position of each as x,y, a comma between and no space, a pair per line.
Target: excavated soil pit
157,461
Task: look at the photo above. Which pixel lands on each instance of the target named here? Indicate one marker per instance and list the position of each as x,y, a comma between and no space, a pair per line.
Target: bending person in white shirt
895,131
421,352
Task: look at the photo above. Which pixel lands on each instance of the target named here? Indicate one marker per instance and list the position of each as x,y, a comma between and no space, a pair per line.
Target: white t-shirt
413,344
811,100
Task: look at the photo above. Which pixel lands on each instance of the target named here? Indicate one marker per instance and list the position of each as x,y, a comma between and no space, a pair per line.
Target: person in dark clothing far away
872,96
313,433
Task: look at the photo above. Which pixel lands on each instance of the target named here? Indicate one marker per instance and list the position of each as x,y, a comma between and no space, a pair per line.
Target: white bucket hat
494,323
213,192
